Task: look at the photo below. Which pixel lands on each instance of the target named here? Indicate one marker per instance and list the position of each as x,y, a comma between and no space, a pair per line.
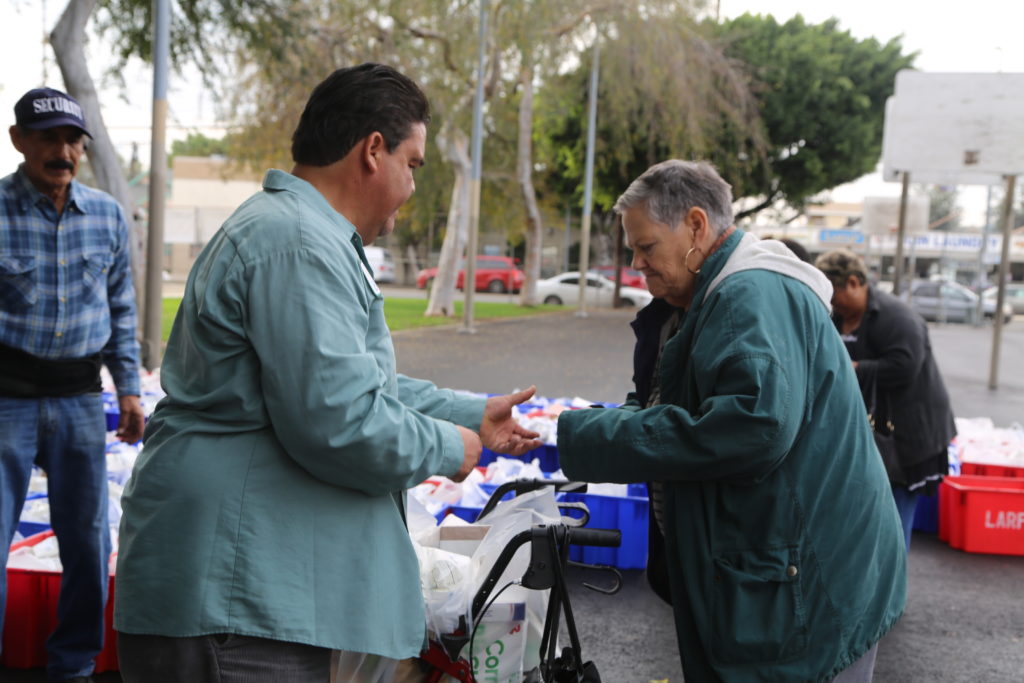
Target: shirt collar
29,195
277,180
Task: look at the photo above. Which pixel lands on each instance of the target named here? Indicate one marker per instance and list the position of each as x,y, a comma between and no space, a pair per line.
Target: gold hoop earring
686,260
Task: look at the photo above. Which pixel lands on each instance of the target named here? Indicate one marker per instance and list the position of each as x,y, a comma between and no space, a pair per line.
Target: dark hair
798,249
352,103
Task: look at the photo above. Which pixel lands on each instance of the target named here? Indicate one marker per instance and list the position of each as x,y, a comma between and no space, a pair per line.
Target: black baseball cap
44,108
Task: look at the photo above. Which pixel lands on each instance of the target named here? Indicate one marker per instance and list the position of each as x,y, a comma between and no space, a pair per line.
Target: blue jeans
66,438
906,503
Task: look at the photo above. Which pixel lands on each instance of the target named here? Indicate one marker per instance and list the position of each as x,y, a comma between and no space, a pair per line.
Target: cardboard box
462,539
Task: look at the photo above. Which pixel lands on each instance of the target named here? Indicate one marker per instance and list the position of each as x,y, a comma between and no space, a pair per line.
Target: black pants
220,658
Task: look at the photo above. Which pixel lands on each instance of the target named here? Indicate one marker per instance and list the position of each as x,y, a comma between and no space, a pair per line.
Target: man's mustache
60,164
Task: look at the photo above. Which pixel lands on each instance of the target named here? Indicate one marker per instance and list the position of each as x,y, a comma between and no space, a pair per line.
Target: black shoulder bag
884,432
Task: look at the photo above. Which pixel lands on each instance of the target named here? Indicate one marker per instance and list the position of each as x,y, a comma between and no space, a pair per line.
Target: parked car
1014,296
630,277
565,289
951,302
493,274
381,264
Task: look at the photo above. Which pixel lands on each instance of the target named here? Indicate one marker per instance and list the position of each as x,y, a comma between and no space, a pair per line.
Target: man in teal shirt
264,522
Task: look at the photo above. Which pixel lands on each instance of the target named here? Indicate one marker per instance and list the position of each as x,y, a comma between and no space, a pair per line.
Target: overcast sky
977,36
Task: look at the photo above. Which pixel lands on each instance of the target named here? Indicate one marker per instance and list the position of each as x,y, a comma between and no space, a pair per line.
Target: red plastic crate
980,514
986,470
31,616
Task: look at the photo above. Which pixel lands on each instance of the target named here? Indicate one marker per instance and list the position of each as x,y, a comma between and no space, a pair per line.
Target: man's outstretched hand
500,432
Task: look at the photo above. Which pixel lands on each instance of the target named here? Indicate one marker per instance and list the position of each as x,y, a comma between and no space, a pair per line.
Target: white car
565,289
381,263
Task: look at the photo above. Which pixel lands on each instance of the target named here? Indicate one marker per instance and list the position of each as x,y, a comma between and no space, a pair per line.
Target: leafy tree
68,43
821,95
667,94
199,145
201,31
815,119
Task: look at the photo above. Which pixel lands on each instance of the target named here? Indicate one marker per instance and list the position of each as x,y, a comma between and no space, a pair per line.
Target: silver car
1014,296
945,301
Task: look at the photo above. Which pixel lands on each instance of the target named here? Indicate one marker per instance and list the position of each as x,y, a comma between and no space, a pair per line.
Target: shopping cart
549,558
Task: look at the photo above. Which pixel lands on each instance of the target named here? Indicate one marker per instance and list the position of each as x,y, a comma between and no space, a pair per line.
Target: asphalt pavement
965,613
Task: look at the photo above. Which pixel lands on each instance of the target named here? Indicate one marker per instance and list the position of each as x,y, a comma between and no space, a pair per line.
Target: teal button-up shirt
267,499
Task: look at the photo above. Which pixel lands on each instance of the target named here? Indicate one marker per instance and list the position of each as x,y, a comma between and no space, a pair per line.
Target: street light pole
588,183
152,339
476,157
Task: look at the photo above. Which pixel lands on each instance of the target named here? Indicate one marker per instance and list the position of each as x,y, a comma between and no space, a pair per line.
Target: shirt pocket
96,268
757,609
18,290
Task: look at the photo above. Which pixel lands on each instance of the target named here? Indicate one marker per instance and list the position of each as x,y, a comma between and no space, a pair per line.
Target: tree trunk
455,148
620,237
411,266
68,41
524,171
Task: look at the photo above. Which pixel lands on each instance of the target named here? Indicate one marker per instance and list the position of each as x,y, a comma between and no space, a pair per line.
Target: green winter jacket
785,553
268,499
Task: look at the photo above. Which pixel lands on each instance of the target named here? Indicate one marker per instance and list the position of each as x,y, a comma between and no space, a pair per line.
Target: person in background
67,307
892,356
798,249
782,545
264,523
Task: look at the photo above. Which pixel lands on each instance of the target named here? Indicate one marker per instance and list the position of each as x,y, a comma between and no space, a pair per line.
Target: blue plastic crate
464,512
627,514
27,529
546,454
31,528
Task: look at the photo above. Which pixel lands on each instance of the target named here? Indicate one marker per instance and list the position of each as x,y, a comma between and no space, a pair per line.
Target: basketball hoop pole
1006,219
900,234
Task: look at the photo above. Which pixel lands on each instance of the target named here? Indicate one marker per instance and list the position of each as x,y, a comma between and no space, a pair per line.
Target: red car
493,274
630,277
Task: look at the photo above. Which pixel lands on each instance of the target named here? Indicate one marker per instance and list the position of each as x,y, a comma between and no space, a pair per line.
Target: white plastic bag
447,585
499,644
508,519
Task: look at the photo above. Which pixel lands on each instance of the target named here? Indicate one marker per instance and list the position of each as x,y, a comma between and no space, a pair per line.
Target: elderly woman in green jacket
783,549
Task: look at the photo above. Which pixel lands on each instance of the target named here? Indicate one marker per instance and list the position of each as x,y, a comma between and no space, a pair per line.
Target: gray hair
670,189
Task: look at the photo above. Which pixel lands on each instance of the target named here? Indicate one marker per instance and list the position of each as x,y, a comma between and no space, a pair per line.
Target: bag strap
870,391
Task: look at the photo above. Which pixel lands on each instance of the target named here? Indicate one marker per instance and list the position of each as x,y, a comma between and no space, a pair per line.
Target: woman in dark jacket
892,355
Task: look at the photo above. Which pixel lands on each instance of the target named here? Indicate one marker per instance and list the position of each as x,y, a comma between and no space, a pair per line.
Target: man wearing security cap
67,307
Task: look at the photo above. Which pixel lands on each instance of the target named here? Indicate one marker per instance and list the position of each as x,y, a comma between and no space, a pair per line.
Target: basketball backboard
954,128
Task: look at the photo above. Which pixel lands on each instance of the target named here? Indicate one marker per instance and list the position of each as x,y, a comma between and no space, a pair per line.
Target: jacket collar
713,265
751,253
